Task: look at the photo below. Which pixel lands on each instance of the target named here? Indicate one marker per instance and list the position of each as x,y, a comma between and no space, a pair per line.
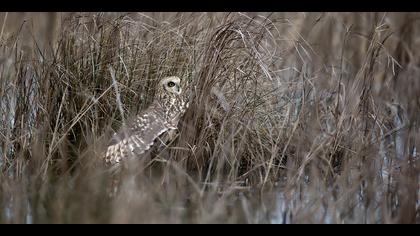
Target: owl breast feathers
140,132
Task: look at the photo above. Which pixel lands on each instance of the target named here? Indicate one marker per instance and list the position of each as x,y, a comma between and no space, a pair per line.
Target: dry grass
295,118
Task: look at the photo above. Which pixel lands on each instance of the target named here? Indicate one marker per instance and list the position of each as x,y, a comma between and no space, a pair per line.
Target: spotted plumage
140,132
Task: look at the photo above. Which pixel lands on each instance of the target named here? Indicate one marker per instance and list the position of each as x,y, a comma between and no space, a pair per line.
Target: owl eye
171,84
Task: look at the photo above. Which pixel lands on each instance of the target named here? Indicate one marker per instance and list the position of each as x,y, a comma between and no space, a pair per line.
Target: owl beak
178,90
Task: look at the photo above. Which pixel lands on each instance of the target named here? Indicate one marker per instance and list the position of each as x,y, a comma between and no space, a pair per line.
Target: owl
140,132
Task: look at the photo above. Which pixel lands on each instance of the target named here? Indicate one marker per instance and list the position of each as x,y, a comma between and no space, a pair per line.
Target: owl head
171,85
169,91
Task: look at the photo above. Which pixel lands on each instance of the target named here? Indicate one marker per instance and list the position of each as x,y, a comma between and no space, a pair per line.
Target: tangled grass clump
293,117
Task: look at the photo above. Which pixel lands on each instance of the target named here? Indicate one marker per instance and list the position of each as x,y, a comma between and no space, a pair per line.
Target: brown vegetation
294,117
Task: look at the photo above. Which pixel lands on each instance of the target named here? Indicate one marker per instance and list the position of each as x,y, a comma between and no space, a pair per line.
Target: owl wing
135,138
